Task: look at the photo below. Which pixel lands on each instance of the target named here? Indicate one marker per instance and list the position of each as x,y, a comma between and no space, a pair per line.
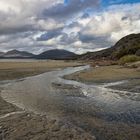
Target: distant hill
56,54
127,45
17,54
96,55
1,54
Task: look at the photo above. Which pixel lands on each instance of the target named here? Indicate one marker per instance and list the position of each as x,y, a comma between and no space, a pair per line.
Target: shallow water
39,94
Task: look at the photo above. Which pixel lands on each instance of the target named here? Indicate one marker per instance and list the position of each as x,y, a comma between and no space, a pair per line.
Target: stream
51,94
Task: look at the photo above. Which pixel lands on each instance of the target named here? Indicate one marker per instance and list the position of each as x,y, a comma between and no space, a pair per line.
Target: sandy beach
15,69
111,73
16,123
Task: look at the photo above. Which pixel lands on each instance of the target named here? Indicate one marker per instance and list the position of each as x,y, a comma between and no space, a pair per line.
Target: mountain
96,55
129,44
56,54
51,54
1,54
17,54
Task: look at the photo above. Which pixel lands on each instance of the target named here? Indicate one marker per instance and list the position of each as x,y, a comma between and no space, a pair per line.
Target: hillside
127,45
56,54
1,54
96,55
17,54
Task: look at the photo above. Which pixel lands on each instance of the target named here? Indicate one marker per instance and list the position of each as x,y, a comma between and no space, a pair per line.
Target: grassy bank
106,74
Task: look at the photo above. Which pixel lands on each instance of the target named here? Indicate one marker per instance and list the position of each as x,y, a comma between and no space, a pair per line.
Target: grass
129,59
105,74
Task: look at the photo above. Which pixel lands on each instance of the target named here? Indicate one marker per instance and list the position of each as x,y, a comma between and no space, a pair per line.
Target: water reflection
50,94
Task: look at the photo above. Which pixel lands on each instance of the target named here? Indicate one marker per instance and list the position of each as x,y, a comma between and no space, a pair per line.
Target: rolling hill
17,54
1,54
56,54
127,45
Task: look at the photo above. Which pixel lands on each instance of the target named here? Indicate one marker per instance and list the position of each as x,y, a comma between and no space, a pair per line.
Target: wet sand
16,123
106,74
79,125
16,69
68,105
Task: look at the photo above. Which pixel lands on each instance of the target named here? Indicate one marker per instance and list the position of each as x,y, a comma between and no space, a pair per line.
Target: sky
75,25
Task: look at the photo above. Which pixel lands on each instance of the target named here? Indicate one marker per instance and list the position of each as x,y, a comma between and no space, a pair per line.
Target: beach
66,112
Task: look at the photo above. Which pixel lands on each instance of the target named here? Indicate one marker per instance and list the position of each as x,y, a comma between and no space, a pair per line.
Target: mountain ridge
17,54
127,45
56,54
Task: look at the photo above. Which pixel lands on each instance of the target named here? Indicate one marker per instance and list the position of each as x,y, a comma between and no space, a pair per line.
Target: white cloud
114,23
16,15
23,21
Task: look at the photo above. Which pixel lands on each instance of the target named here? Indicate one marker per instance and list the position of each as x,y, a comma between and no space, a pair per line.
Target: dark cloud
16,29
85,15
37,26
68,39
8,37
50,34
74,24
124,18
61,11
86,38
96,40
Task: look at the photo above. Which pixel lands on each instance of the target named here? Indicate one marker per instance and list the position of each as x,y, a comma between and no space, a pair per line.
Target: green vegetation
126,50
128,59
128,45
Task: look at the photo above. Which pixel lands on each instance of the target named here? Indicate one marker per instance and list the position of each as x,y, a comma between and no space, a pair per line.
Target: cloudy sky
74,25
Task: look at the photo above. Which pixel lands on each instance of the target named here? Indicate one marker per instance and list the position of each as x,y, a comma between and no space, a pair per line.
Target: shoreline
20,124
54,128
109,74
18,70
16,123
